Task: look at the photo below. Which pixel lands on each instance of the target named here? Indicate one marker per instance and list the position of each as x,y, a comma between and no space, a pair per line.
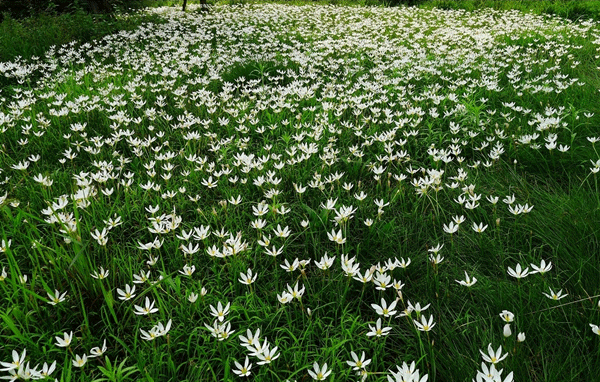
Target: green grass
306,95
33,36
571,9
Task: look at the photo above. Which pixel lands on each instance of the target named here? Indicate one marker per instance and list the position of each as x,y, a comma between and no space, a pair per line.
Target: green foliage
33,36
116,373
571,9
276,101
28,8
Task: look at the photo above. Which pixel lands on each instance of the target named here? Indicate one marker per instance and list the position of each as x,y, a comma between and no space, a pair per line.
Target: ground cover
572,9
273,191
33,36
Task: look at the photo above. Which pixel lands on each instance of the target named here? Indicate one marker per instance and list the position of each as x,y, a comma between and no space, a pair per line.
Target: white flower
79,361
468,281
330,204
282,232
101,237
451,228
437,259
248,277
407,373
436,249
100,275
17,361
385,310
156,331
425,325
326,262
493,357
126,294
296,292
403,263
507,316
220,312
479,228
267,355
290,267
492,199
555,296
152,260
358,364
47,369
506,331
147,309
543,268
319,373
65,341
336,236
274,251
187,270
509,199
5,245
518,272
382,281
250,341
97,352
458,219
284,297
361,196
489,374
243,371
377,330
416,307
56,298
24,372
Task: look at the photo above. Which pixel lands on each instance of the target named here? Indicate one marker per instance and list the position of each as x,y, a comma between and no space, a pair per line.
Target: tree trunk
184,5
93,6
99,6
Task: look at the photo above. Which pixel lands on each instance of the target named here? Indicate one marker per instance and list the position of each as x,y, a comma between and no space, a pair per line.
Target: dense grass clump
293,193
570,9
33,36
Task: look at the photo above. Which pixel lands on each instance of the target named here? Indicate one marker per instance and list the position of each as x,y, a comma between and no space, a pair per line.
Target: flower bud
507,331
521,337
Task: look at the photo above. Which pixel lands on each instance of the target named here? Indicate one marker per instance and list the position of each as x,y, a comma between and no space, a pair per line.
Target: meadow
304,192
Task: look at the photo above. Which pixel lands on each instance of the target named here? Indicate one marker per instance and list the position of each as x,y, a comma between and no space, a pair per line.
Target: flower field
293,193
